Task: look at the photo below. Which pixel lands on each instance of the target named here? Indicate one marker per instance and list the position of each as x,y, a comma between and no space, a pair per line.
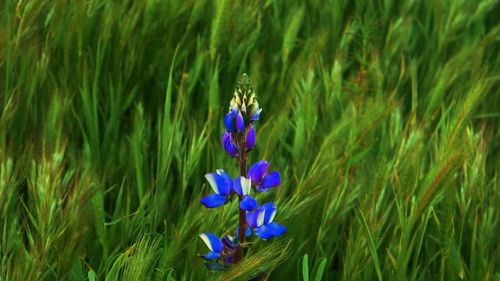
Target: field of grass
382,116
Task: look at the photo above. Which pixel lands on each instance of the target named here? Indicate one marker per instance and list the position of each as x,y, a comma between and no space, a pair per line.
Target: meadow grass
383,117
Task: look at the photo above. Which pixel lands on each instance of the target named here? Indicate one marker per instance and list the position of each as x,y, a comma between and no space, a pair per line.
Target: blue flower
242,186
238,139
234,121
262,223
214,245
261,179
222,185
221,254
250,140
229,146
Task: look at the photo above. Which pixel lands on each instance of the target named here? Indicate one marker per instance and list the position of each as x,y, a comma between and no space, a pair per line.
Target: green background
382,117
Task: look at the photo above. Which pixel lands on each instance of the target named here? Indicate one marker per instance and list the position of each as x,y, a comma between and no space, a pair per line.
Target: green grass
382,116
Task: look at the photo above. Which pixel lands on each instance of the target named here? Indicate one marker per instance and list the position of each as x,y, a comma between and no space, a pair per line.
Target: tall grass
383,117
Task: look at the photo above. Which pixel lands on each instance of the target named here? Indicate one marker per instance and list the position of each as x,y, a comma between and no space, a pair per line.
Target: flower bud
245,101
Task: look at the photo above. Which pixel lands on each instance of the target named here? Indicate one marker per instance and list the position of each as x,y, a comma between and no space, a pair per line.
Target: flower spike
238,139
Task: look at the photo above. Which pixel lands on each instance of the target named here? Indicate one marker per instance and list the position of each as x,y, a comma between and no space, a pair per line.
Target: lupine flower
250,140
229,146
214,245
222,185
237,140
234,121
261,179
221,253
242,186
261,221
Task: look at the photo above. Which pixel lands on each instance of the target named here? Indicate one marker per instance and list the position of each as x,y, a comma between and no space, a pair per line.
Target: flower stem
242,163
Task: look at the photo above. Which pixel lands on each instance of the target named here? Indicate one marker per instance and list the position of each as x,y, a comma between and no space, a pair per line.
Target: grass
382,116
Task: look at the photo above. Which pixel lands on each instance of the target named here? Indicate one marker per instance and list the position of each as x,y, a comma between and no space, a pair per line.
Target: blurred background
382,117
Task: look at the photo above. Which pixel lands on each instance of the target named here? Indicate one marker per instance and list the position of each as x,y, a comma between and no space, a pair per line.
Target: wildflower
221,253
237,140
242,186
261,179
261,221
214,245
250,139
234,121
222,185
229,145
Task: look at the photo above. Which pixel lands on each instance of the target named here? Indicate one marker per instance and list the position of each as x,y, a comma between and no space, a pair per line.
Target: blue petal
257,171
240,124
228,182
255,116
214,200
230,123
226,137
211,256
231,150
271,180
250,138
242,186
219,183
228,145
252,219
262,189
270,231
269,212
256,219
237,186
248,203
213,242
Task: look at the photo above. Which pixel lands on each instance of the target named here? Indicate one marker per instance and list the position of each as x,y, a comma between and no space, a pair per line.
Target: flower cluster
244,110
237,140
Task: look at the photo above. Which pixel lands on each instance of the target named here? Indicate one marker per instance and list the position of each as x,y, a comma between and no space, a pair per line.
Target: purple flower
234,121
261,221
222,185
250,141
242,186
229,146
261,179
